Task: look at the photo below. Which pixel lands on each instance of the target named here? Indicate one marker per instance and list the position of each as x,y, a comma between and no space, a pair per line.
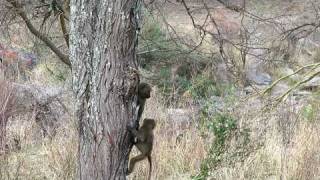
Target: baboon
144,91
144,143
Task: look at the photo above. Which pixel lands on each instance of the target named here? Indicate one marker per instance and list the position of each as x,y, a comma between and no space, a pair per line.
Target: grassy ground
283,145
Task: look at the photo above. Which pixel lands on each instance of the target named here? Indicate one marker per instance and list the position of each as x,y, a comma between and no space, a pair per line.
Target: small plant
310,111
222,126
164,81
203,86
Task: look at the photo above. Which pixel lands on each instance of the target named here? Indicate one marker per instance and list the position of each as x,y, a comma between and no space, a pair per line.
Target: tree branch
231,6
297,85
287,76
63,57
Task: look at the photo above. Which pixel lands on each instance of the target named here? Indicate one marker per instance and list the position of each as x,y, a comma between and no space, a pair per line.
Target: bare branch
19,9
231,6
287,76
297,85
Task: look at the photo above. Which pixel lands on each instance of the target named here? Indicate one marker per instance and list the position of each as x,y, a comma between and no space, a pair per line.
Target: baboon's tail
150,167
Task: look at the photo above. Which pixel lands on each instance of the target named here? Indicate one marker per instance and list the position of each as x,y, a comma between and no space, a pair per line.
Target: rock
301,94
255,69
312,85
258,77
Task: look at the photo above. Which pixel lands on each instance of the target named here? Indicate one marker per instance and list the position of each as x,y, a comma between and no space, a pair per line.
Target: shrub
221,125
203,87
310,111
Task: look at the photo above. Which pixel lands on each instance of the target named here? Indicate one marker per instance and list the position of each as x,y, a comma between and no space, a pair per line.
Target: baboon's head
144,90
149,123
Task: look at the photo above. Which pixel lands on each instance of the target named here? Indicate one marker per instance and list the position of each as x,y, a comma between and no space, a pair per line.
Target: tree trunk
102,51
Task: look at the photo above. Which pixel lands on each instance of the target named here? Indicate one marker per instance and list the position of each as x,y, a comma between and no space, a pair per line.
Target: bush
221,125
310,111
203,87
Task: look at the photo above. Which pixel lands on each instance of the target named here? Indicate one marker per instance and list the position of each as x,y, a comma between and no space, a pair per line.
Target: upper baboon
144,91
144,143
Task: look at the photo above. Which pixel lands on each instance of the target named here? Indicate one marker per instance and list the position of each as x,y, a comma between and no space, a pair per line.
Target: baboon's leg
134,160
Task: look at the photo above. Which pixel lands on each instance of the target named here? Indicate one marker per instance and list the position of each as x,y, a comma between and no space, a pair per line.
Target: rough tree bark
102,52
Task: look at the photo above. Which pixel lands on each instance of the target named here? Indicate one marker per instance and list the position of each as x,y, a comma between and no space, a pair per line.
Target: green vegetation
203,87
159,54
222,126
310,110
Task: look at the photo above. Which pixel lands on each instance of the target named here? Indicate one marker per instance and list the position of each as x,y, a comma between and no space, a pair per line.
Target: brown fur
144,143
144,91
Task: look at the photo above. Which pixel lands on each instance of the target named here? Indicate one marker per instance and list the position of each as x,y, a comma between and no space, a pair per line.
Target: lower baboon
144,143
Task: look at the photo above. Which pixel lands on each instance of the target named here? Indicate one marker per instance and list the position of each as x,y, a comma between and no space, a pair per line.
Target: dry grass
173,160
177,153
41,158
305,155
289,144
290,148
